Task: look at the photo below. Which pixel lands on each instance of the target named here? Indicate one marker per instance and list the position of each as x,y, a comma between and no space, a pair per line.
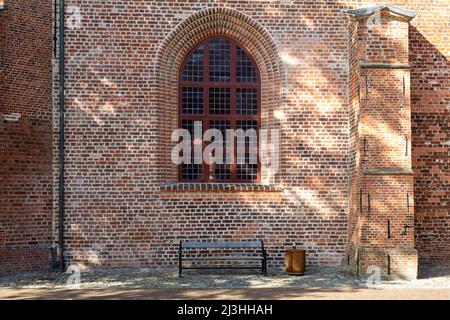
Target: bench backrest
201,245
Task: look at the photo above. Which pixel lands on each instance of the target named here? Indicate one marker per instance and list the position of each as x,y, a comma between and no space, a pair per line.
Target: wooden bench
258,245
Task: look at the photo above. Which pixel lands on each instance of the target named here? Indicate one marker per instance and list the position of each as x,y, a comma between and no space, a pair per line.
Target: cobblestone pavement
141,278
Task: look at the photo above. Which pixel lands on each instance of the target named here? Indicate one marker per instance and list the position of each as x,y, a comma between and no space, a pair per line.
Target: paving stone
141,278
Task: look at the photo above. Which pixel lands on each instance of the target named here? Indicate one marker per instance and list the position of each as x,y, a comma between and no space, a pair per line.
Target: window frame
233,117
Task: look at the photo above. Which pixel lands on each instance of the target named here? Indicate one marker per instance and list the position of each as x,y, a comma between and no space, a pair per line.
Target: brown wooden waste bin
295,261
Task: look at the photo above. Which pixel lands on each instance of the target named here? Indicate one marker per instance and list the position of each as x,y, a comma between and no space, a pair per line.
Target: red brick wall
119,105
430,93
118,108
25,136
114,108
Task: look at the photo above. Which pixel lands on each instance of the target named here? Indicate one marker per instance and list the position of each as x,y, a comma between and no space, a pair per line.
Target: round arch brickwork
199,26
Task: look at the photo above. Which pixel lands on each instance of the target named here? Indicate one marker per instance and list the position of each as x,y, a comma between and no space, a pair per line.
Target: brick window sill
233,187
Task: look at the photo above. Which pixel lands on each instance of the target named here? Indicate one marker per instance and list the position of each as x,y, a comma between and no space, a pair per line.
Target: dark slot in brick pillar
407,201
360,201
404,87
357,263
388,228
359,93
367,86
388,264
365,147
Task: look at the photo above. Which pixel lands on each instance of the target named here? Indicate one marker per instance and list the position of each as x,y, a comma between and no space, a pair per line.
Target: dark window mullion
233,111
233,174
206,103
219,84
180,121
233,103
220,117
233,64
206,62
206,167
258,126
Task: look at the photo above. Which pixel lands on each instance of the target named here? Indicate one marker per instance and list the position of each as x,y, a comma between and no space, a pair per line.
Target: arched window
219,88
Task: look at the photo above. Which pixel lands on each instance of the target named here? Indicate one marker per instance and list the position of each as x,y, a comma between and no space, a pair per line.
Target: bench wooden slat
200,245
224,258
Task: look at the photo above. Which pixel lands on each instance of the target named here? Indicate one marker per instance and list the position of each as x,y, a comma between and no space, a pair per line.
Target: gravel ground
141,278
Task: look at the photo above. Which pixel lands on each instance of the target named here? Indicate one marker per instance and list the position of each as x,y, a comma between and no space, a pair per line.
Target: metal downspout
61,133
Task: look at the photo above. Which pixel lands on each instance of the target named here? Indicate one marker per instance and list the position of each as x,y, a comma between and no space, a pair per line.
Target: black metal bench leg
264,263
265,266
180,261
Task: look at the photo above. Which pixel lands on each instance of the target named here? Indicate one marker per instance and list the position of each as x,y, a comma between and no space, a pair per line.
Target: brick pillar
381,219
